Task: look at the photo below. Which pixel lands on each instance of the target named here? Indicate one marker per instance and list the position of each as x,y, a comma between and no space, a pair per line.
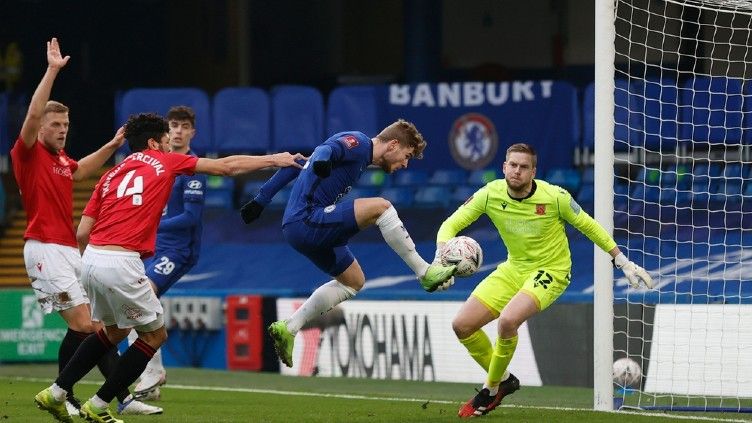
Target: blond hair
55,107
407,135
523,148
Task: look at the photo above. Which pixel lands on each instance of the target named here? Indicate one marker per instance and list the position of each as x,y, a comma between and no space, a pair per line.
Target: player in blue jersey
318,225
178,237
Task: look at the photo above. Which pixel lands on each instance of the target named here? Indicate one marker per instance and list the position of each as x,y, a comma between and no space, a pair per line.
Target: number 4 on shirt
135,190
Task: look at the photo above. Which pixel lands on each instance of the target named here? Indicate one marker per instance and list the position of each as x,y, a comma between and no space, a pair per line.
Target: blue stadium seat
297,118
628,108
373,178
480,177
586,197
5,143
448,177
399,196
279,201
586,194
677,177
410,178
362,192
588,175
660,113
160,100
712,110
461,194
353,108
566,178
646,193
250,189
219,192
432,197
241,117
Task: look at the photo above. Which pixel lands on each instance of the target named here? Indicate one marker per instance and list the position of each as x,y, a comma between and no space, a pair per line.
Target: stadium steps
12,268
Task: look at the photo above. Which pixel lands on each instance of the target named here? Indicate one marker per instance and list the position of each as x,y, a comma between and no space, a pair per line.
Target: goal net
682,189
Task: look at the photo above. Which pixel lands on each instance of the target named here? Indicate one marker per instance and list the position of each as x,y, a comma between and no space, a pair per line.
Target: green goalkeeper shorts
544,285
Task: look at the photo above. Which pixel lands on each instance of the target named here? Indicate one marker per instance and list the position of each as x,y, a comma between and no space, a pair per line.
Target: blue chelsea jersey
180,227
350,154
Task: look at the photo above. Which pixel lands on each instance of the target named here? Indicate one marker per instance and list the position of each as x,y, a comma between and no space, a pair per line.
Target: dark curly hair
142,127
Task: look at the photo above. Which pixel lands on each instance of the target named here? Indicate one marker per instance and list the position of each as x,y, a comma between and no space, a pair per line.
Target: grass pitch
199,395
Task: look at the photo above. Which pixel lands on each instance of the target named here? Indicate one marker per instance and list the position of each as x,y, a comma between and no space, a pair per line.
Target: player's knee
381,206
83,326
461,328
508,325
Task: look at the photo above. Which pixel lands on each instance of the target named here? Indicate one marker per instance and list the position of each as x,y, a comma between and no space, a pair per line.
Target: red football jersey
127,202
45,180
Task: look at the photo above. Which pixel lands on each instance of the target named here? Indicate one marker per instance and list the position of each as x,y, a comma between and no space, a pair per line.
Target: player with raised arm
319,226
117,230
45,175
530,215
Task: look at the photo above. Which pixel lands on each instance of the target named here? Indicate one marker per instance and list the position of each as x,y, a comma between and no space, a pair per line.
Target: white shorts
54,271
119,290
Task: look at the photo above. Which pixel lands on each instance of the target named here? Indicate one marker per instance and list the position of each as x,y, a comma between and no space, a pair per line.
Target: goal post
603,295
673,166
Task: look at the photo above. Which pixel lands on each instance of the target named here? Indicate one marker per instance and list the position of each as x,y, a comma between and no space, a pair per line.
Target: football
626,372
465,253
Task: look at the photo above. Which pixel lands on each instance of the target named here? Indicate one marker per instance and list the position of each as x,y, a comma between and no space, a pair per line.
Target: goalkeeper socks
396,236
502,355
323,299
479,347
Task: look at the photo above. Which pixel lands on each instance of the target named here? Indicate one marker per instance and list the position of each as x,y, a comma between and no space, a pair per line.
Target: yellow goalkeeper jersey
532,228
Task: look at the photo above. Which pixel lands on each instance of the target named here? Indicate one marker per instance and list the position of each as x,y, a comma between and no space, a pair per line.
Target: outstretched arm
33,121
578,218
252,209
95,160
235,165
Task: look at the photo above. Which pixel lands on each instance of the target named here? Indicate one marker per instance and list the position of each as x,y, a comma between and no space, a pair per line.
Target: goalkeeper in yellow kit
530,215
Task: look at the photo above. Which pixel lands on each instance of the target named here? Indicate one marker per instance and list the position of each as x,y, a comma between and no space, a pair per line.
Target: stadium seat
373,178
660,113
410,178
586,197
480,177
160,100
567,178
646,193
353,108
399,196
677,177
432,197
219,192
588,175
627,116
250,189
297,118
461,194
449,177
241,119
713,110
362,192
279,201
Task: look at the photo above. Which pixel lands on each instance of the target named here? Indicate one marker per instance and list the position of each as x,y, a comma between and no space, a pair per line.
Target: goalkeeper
530,215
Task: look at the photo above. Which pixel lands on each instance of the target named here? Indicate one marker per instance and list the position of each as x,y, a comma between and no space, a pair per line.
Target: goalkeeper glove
633,272
446,285
322,168
251,211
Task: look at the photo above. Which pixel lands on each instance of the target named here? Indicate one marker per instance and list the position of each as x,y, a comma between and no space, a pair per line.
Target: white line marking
363,397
